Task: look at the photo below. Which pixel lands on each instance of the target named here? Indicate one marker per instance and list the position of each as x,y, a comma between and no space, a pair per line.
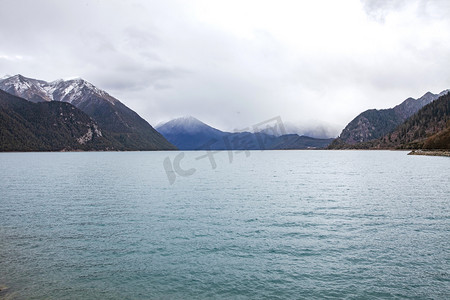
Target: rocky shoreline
430,152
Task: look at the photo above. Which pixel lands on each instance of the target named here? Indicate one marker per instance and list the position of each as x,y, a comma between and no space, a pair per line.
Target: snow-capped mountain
31,89
187,124
48,126
188,133
125,125
72,91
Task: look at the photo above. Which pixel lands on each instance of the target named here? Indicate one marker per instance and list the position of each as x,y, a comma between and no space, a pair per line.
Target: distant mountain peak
189,133
188,118
188,121
444,92
186,124
54,82
80,82
20,78
58,90
16,78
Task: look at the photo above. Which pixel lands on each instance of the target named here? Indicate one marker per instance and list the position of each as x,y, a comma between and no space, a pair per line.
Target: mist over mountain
189,133
313,128
295,141
123,124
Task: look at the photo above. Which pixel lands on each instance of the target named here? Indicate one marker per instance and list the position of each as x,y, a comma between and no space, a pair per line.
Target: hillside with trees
48,126
429,128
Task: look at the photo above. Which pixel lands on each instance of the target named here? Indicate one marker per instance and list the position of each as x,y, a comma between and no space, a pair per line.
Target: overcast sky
233,64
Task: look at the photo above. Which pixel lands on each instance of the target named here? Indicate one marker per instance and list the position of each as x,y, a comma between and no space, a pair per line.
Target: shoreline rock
430,152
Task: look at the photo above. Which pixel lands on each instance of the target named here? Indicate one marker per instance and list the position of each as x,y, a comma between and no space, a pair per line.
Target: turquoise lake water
260,225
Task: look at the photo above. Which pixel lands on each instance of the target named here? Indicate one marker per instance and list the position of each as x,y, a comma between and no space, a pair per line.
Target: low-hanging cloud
317,64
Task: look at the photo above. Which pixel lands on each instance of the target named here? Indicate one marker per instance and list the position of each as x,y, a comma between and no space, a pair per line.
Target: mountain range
429,128
413,124
68,115
125,129
372,124
188,133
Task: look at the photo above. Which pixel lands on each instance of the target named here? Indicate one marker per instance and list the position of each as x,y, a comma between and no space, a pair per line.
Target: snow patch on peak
187,124
78,84
16,77
19,83
5,77
57,81
427,96
188,119
58,90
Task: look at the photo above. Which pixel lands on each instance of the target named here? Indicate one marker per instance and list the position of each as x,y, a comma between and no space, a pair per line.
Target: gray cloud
379,9
234,64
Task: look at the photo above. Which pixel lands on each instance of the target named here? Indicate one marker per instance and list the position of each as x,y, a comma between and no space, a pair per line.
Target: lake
224,225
